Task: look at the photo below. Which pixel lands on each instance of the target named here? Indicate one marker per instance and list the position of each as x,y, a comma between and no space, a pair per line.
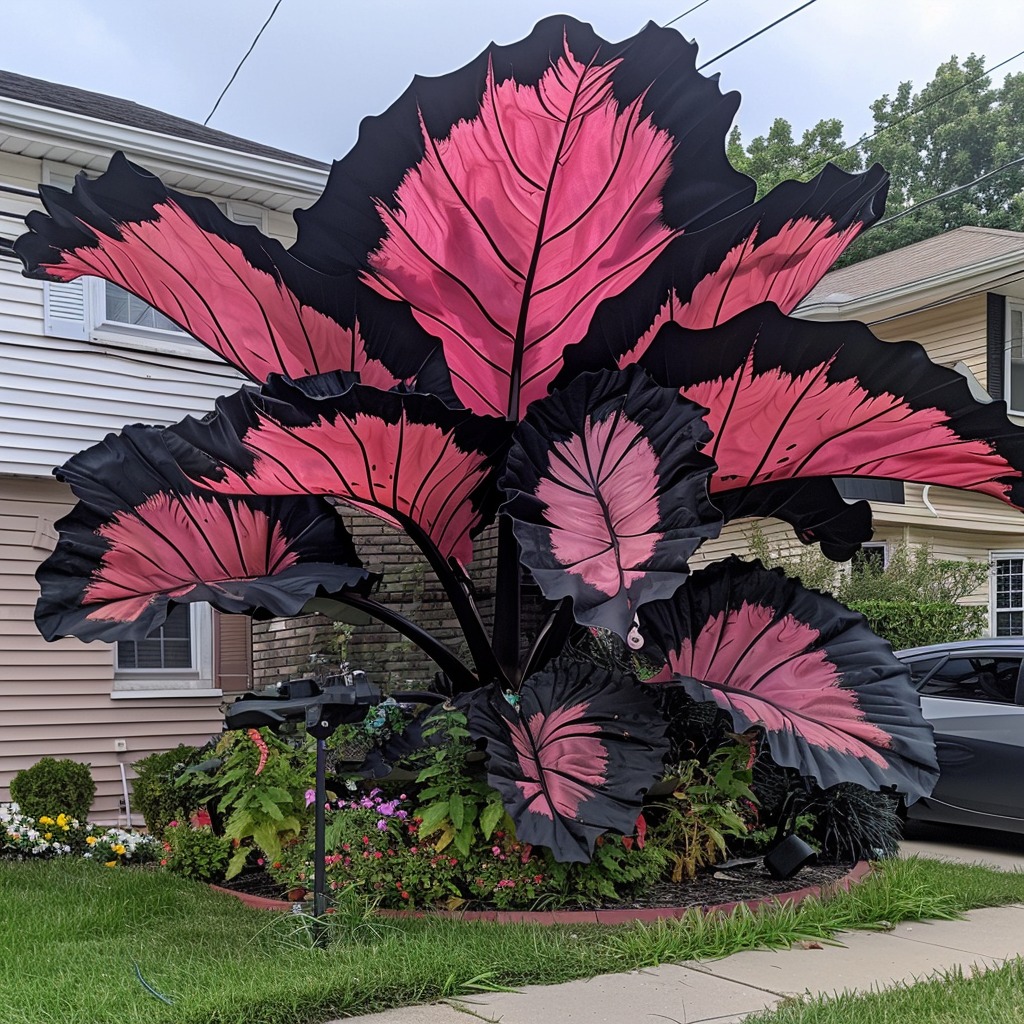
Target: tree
776,157
958,127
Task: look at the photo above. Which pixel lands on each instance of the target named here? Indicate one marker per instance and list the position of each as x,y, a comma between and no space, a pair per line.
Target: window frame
199,678
995,557
1013,306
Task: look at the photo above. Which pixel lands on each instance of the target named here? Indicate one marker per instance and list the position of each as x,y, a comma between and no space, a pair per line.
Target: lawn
78,941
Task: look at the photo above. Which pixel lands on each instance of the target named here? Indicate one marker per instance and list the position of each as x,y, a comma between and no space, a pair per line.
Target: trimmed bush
156,792
918,623
51,787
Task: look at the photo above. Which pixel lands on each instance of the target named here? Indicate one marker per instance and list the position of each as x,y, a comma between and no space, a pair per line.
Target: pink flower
310,796
496,850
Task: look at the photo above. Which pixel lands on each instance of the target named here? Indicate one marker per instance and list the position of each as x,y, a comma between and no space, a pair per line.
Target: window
872,558
90,309
1007,598
1015,357
990,679
176,657
169,647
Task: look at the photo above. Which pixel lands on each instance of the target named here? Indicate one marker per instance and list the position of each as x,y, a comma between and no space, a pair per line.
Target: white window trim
148,682
993,558
85,298
1012,305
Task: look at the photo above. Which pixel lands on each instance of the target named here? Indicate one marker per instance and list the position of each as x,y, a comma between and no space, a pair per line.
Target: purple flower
310,796
402,815
381,824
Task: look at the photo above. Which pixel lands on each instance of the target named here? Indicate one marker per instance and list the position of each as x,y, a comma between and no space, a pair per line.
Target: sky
322,65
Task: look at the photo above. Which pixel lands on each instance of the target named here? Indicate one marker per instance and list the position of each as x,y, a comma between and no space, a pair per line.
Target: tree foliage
958,127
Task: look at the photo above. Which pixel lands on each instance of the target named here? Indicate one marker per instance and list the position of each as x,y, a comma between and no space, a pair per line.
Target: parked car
972,692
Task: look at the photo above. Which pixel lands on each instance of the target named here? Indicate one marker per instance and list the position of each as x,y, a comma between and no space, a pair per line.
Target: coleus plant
535,294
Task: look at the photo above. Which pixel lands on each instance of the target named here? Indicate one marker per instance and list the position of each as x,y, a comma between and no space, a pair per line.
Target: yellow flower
44,820
118,849
62,820
90,840
111,864
47,835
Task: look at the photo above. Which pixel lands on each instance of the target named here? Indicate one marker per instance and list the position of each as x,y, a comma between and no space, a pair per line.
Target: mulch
713,887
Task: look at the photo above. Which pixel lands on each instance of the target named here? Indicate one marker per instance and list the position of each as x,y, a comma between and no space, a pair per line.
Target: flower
90,840
381,824
310,796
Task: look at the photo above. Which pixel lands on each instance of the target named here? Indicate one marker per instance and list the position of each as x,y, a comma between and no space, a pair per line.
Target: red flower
405,895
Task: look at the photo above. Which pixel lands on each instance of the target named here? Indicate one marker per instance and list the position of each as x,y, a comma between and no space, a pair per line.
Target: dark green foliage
955,129
917,623
853,823
913,601
160,793
51,787
197,853
844,823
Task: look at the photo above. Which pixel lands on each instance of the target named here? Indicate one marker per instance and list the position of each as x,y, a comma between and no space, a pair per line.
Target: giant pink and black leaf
406,458
232,288
832,699
790,400
563,164
142,538
571,754
608,493
776,251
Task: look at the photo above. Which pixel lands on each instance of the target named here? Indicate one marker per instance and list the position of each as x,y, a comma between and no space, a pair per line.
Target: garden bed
711,890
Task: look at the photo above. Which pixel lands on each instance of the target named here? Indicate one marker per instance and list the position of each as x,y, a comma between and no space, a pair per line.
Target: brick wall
281,648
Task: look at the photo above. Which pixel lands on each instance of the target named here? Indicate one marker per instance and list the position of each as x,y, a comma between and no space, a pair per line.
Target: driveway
1004,850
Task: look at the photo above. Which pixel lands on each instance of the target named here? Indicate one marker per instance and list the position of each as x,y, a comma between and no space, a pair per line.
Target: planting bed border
859,871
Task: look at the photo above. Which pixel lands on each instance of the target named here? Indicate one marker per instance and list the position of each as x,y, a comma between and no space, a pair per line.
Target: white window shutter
66,309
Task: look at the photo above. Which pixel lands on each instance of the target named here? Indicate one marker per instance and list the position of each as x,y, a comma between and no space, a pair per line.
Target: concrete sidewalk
724,991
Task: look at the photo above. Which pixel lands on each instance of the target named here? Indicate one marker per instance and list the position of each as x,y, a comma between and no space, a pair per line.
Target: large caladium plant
535,294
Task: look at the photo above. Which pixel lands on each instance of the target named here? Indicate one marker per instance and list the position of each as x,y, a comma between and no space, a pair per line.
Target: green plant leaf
433,816
489,818
456,810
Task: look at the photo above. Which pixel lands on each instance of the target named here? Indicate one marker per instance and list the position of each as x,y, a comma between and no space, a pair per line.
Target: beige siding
55,699
950,333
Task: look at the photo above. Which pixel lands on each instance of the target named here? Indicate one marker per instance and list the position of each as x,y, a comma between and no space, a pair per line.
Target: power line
951,192
743,42
913,113
678,17
241,62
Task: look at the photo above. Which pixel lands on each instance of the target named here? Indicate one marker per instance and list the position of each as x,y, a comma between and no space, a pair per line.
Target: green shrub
159,794
51,787
196,853
918,623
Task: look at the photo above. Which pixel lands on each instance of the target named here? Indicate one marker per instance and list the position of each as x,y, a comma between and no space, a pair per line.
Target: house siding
56,698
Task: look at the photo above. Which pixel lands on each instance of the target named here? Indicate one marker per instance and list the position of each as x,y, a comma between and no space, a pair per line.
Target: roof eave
47,125
949,285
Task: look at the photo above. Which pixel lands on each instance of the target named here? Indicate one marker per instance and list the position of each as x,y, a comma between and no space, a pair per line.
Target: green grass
993,997
72,933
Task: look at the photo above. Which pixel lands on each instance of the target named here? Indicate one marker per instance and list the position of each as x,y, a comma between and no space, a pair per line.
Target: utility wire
743,42
241,62
679,17
951,192
913,113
